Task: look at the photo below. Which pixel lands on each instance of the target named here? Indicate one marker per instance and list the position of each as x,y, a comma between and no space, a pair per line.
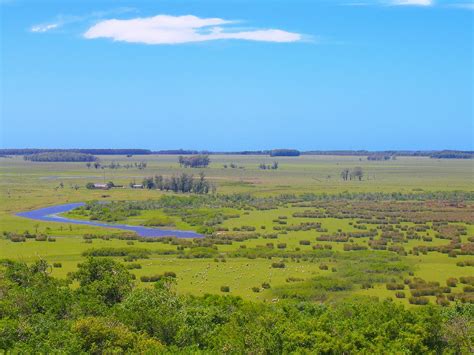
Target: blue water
51,214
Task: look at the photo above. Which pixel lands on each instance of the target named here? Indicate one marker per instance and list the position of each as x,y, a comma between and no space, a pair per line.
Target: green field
246,263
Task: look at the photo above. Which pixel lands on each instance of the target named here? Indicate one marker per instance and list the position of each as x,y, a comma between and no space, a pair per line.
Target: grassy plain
29,185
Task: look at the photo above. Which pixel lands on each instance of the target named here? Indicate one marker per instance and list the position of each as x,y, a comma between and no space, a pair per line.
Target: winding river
51,214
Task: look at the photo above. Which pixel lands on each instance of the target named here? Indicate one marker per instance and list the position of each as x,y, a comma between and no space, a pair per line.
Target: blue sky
235,75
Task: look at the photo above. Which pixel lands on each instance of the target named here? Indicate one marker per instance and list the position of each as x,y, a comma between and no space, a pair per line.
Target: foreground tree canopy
104,312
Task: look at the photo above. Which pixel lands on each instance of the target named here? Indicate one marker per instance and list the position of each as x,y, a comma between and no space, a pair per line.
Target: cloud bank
165,29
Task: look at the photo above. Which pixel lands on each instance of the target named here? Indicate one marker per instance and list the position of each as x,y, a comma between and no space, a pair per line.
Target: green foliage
104,278
39,314
131,252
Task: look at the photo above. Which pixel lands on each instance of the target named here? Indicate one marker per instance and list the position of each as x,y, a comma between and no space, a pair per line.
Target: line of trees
184,183
379,157
196,161
60,157
113,165
355,174
285,153
28,151
452,154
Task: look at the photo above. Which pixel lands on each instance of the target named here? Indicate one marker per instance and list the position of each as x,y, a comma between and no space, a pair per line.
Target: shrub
442,301
278,265
323,267
256,289
17,238
57,265
468,289
153,278
452,282
418,300
266,285
467,280
281,245
225,289
400,294
133,266
170,274
305,242
294,279
395,286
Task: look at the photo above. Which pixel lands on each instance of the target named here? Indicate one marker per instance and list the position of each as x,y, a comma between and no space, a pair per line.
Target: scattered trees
196,161
380,157
355,174
273,166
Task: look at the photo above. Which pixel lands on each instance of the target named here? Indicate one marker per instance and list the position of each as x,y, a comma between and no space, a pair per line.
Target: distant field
26,185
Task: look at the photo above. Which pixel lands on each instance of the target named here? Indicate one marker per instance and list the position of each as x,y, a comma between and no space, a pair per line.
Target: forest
107,313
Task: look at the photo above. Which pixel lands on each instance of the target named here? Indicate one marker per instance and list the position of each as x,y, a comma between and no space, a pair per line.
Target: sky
237,75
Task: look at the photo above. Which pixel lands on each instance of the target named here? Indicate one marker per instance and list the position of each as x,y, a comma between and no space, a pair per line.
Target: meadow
244,261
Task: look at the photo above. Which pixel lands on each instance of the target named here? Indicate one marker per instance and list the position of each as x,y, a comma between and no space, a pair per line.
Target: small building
137,186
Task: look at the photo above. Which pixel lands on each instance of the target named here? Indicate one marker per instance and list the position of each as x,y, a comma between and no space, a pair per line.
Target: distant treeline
372,155
452,154
83,151
60,157
435,154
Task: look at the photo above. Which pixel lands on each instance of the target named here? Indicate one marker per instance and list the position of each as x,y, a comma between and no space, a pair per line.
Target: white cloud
165,29
412,2
44,28
393,3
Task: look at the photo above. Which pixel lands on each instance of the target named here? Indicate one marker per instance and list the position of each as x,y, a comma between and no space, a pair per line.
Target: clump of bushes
452,282
57,265
225,289
467,280
419,300
131,253
400,294
465,263
133,266
442,301
153,278
278,265
294,279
